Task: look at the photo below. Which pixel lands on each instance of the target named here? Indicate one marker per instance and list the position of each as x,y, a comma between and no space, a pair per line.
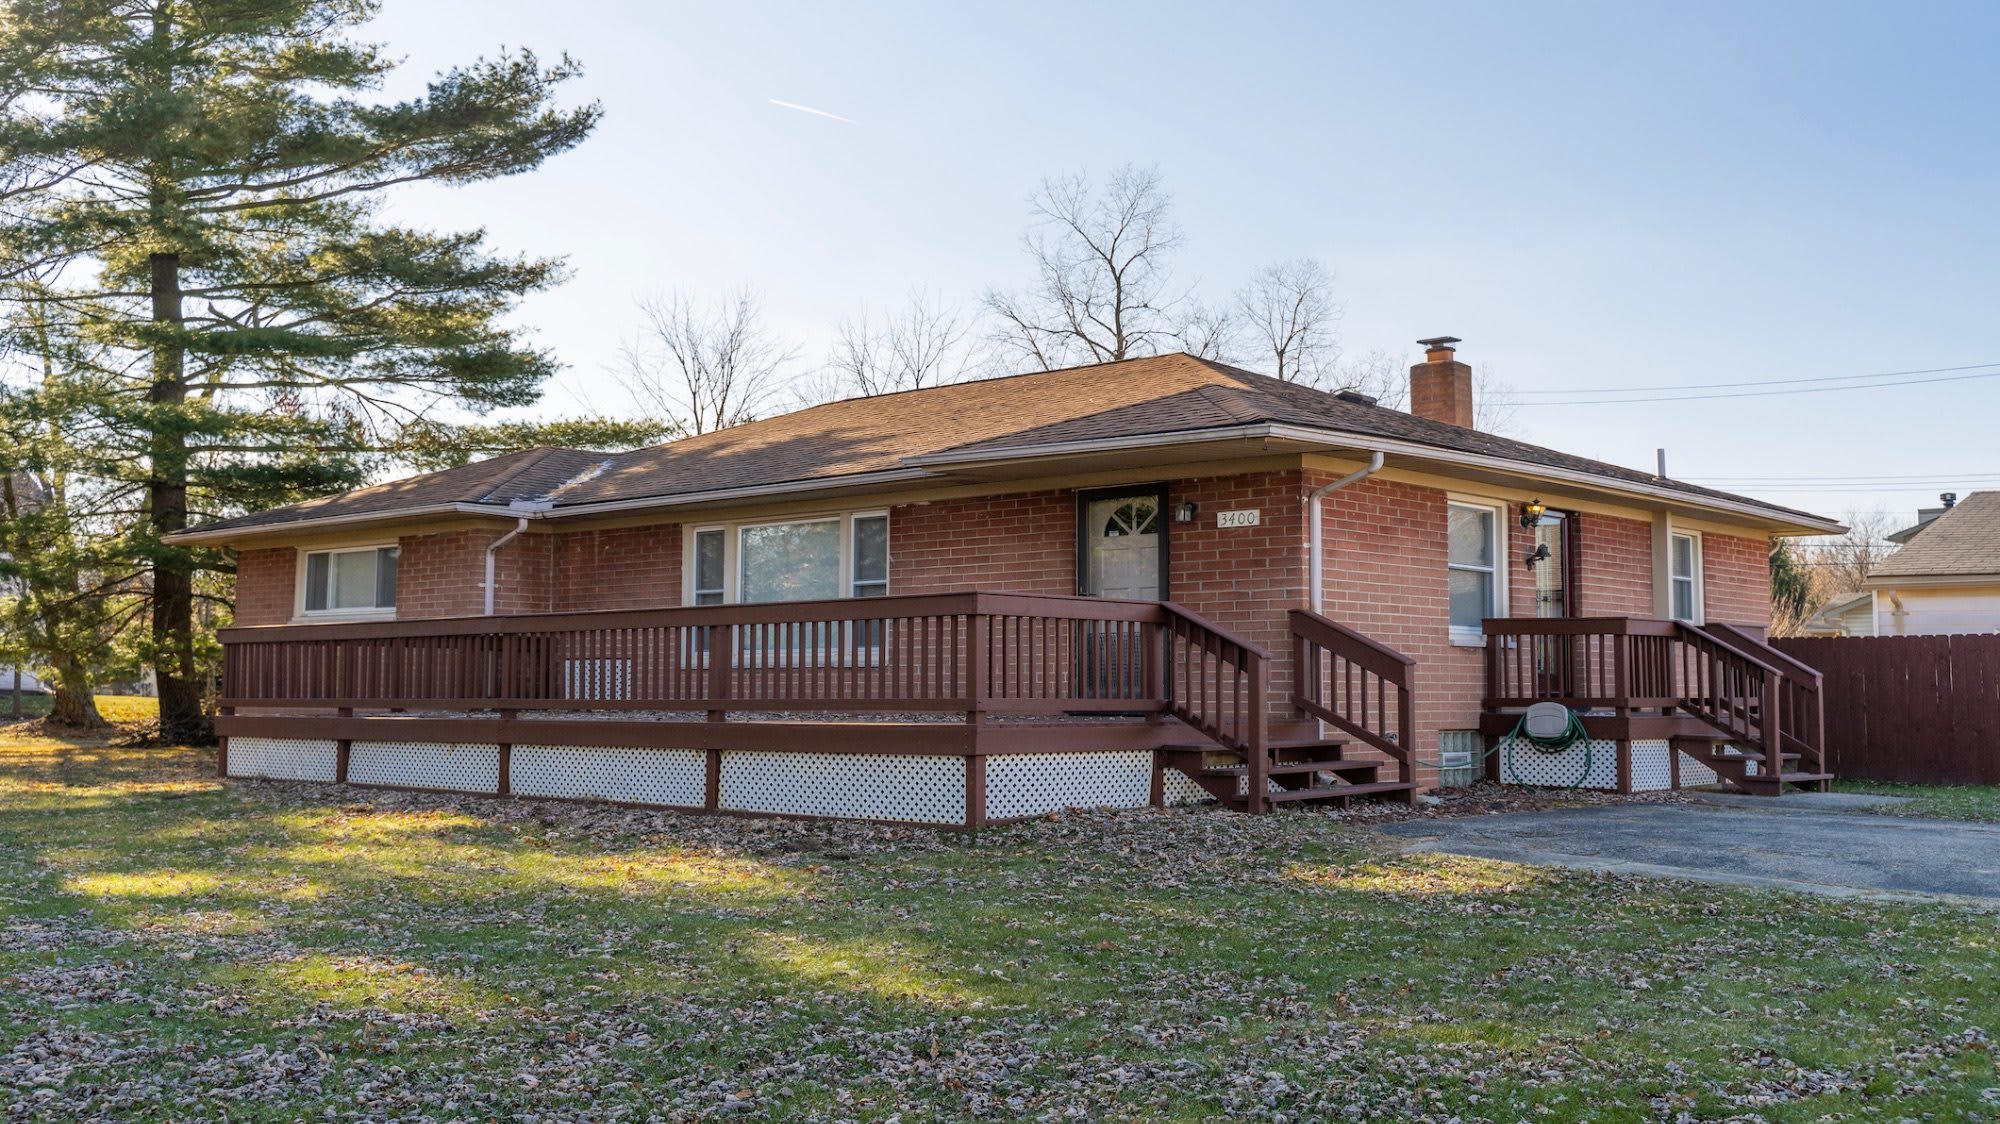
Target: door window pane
789,562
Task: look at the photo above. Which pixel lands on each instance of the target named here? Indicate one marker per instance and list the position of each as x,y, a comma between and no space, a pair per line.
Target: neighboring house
1850,614
1945,578
1241,563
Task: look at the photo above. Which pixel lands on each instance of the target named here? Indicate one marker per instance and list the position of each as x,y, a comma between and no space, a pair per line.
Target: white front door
1123,547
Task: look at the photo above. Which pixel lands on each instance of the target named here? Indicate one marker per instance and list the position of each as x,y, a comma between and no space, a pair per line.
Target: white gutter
1341,439
520,525
1317,564
523,511
237,534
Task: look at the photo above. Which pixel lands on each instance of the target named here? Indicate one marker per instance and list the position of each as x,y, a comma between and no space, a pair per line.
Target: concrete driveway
1783,844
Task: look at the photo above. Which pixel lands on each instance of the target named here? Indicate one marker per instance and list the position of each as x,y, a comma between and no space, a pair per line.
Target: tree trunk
76,701
14,704
181,719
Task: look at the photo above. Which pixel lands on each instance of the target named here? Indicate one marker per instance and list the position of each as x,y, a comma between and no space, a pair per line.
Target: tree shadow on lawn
428,932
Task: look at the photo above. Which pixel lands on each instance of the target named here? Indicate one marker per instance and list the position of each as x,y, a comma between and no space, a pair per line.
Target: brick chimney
1441,386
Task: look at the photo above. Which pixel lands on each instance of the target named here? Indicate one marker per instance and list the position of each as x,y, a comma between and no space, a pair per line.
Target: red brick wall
1736,579
440,575
1245,579
1386,552
1022,543
618,568
1614,566
266,585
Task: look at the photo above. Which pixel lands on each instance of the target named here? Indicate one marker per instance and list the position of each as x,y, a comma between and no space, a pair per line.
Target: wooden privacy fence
1912,709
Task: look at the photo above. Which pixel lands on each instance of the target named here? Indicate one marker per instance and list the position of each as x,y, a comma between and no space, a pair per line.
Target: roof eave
223,536
1791,523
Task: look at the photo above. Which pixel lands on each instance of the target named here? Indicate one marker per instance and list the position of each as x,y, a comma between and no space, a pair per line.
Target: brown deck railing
1726,678
1355,683
969,653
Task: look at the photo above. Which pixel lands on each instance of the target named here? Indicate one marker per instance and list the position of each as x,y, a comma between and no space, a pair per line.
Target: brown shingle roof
1963,541
1158,395
531,474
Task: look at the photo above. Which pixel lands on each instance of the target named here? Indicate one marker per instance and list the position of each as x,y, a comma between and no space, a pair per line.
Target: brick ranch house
1162,580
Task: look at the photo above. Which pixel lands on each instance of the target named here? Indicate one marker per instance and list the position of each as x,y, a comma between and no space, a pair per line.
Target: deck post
718,659
1773,730
1257,773
975,789
978,654
221,745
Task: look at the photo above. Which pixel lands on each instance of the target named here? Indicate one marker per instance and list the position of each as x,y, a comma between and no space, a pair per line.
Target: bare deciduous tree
1209,332
923,345
704,367
1103,286
1291,313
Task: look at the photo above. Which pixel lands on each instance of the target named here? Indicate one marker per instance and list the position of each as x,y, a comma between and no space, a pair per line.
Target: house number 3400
1236,518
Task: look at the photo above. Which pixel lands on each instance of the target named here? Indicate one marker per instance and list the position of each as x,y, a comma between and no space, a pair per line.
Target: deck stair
1301,771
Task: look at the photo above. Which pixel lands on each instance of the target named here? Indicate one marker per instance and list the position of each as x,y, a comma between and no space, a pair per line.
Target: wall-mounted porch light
1532,512
1539,554
1185,511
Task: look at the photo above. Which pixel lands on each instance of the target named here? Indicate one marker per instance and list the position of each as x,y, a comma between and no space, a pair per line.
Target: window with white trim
351,581
1474,567
821,557
1684,577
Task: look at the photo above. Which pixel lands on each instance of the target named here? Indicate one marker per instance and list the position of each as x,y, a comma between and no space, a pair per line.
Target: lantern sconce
1185,511
1532,512
1539,554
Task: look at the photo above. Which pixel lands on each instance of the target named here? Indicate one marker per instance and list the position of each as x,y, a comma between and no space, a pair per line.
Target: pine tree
195,184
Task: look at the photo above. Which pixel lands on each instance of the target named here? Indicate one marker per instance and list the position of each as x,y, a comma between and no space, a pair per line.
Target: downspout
1317,564
493,547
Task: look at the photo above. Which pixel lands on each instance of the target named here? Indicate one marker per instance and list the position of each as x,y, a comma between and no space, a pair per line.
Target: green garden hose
1572,733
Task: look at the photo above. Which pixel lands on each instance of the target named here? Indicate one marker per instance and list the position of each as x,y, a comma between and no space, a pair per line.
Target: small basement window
351,581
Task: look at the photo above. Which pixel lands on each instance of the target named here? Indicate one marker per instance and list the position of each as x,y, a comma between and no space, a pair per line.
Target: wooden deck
967,675
1720,694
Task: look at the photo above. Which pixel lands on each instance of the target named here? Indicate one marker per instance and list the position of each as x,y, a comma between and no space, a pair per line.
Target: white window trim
1462,636
1700,591
302,614
732,537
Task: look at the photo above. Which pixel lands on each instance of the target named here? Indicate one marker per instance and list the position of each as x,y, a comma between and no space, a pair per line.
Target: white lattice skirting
1033,784
906,789
669,777
1587,764
460,768
845,786
282,759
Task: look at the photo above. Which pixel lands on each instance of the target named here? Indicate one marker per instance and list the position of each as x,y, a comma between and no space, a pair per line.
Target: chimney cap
1441,342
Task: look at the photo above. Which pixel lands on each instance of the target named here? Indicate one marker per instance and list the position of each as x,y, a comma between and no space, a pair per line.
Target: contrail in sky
810,109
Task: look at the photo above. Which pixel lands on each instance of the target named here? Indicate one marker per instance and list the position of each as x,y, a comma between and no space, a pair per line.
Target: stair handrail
1807,727
1766,733
1314,637
1199,701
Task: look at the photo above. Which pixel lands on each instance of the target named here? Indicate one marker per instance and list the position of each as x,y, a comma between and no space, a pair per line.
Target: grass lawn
176,947
114,708
1944,802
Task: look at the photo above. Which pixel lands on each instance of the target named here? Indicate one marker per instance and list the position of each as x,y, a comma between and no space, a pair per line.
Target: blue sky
1590,195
